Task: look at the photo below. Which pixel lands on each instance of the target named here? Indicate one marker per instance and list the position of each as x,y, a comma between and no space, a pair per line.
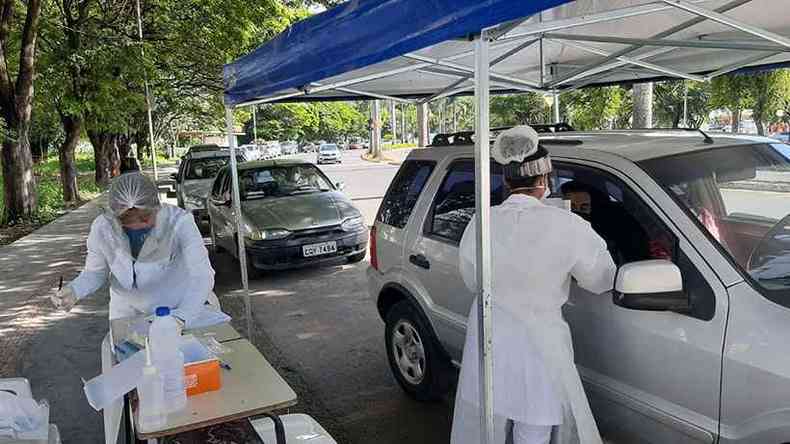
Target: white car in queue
690,346
328,152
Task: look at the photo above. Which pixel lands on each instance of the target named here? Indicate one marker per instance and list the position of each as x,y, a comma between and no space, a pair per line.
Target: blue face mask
137,238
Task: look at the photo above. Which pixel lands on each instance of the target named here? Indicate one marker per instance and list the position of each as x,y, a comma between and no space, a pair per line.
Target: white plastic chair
299,429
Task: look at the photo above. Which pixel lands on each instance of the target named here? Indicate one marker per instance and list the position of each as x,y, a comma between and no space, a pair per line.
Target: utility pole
556,107
147,93
375,139
255,125
685,104
393,121
403,132
422,125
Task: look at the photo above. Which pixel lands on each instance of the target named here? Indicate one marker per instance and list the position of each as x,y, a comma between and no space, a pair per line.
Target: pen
60,285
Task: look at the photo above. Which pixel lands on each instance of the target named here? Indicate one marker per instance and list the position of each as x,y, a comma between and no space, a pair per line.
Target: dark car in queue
292,216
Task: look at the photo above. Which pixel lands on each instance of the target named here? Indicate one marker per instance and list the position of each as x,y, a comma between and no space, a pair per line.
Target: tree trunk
102,143
72,127
760,126
736,120
19,182
643,105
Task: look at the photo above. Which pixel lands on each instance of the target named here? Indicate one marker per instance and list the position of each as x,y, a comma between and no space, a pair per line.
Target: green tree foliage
593,108
331,121
668,103
769,93
519,109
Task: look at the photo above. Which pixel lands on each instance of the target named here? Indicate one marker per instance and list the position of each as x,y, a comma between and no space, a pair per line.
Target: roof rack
466,137
707,139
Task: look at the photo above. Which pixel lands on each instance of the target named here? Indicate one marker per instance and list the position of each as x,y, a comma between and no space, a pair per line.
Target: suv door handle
420,261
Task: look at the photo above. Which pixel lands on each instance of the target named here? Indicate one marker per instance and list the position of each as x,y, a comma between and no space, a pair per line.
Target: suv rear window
454,204
404,191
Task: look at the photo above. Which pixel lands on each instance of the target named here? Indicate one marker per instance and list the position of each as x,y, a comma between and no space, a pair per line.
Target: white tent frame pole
589,19
374,95
609,66
483,219
633,61
705,44
581,72
494,75
729,21
494,81
738,65
556,107
236,197
455,85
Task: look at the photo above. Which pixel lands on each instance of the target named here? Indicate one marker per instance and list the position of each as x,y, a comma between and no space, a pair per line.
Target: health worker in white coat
153,254
537,250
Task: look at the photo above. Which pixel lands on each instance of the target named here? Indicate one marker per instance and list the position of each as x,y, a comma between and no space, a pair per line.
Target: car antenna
708,139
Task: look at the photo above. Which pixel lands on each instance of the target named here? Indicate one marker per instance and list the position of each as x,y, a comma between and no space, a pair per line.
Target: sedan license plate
319,249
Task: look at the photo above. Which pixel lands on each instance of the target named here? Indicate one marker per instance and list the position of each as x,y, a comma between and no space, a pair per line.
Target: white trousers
531,434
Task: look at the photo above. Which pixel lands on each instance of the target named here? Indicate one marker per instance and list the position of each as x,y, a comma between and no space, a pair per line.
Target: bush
50,191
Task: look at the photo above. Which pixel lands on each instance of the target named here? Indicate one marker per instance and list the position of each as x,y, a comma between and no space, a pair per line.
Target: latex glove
64,299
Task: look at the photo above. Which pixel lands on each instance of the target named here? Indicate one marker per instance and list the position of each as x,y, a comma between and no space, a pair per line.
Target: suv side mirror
655,285
340,186
174,176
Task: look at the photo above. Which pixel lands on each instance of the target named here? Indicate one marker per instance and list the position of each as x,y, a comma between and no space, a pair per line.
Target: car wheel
252,272
354,258
416,359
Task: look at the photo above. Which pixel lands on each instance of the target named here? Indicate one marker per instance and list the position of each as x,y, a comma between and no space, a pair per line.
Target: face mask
546,192
137,238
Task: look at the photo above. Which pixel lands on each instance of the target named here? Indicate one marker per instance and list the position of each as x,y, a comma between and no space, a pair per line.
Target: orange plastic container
202,376
201,368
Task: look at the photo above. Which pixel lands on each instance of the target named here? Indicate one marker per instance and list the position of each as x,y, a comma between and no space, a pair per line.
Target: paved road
329,341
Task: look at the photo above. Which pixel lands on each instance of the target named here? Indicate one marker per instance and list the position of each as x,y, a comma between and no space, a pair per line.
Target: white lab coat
536,251
172,268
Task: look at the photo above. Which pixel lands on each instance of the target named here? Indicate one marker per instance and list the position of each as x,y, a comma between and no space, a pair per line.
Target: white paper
206,318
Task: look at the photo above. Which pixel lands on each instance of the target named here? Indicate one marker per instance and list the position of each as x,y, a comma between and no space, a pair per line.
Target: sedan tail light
374,260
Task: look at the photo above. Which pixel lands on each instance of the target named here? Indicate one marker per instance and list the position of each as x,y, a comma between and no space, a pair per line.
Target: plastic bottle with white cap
165,341
151,391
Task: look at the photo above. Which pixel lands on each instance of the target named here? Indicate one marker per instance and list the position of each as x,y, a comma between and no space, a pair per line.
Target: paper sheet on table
102,390
206,318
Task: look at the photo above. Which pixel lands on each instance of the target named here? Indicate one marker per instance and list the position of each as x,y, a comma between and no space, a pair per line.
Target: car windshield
328,148
206,168
741,197
279,181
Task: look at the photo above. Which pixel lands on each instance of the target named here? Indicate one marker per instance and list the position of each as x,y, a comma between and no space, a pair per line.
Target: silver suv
696,356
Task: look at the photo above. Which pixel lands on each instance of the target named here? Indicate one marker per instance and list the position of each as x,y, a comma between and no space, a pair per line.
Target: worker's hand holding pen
64,298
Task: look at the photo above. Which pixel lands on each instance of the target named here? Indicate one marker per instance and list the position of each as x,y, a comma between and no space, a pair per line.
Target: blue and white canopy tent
415,51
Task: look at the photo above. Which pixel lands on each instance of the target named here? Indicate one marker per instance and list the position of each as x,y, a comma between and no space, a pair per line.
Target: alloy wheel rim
409,352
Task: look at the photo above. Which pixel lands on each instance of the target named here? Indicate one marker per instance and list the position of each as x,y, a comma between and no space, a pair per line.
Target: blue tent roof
360,33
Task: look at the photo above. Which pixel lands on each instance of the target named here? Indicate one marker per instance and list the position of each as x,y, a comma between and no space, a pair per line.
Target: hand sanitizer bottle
151,391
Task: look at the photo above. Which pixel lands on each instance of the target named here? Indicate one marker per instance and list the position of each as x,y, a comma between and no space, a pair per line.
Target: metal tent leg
483,218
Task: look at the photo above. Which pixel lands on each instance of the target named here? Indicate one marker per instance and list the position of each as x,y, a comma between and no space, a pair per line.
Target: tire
353,259
252,272
416,359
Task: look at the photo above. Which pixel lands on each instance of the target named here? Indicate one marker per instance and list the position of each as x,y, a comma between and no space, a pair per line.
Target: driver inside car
625,237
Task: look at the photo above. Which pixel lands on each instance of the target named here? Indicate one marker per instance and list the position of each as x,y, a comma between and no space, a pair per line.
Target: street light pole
147,92
255,125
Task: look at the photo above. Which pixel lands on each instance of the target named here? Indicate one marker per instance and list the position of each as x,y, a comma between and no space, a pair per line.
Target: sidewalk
53,349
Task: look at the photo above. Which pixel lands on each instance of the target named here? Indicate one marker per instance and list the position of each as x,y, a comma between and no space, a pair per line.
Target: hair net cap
515,145
519,152
133,190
